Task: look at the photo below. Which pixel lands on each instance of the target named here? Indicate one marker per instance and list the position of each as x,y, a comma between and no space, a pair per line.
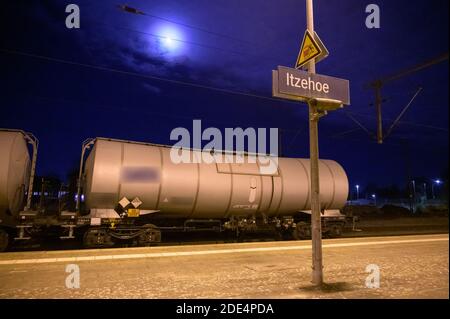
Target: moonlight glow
168,41
171,39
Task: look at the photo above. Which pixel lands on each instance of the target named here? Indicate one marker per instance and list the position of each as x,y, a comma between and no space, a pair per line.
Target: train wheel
151,235
97,238
4,240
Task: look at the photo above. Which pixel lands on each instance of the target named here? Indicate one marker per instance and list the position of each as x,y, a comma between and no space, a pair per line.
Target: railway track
177,239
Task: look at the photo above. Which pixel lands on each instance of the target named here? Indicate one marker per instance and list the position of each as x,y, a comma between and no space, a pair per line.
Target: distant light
374,196
81,197
357,186
438,181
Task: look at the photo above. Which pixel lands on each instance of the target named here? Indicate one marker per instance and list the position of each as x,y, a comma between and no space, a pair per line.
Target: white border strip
209,252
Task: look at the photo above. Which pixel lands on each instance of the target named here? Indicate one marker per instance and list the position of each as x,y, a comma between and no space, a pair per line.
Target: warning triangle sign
308,51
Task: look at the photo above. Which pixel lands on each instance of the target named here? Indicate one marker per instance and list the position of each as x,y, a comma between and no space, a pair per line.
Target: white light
357,186
373,195
170,38
168,41
437,181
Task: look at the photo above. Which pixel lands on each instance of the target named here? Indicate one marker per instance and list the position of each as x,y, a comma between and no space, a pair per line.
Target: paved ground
410,267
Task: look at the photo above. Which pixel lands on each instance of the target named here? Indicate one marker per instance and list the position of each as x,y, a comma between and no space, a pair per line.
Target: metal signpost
323,94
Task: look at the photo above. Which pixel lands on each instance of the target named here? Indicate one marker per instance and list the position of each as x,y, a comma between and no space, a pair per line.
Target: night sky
104,79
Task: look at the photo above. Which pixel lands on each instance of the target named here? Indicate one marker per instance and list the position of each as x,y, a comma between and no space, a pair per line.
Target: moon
171,38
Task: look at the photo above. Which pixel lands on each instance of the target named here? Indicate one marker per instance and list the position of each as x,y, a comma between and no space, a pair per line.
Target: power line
113,107
289,146
254,55
394,141
403,122
397,119
345,133
136,74
117,108
185,41
359,124
138,12
152,77
411,70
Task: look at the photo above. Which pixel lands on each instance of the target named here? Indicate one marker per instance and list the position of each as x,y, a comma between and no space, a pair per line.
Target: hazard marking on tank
124,202
136,202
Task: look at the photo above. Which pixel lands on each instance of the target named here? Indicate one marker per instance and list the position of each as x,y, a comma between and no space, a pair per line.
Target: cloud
116,46
148,56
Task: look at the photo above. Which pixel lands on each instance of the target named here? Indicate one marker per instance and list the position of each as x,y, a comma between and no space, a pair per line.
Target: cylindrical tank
14,171
115,169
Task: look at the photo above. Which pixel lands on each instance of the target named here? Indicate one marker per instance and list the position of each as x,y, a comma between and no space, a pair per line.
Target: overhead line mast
378,84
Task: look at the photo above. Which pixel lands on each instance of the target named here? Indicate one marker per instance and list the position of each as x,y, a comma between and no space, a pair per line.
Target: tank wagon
132,192
14,172
16,179
123,180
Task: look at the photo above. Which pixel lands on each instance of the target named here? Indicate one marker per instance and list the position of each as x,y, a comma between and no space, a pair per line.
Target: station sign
298,85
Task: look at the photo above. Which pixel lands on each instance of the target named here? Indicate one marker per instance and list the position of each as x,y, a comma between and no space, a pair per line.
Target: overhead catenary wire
116,107
438,128
184,83
137,74
129,9
345,132
206,46
389,131
187,117
349,115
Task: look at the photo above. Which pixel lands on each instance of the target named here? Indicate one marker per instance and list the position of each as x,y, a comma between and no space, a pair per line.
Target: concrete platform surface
409,267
